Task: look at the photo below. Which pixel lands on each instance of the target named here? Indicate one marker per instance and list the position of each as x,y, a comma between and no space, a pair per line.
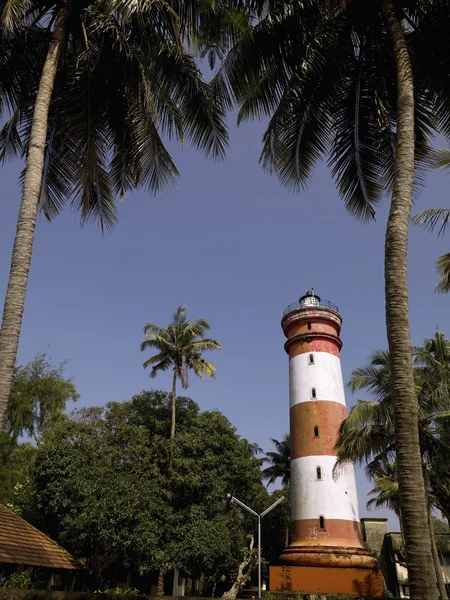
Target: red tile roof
23,544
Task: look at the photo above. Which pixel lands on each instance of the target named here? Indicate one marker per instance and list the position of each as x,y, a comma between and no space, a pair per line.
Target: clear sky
234,247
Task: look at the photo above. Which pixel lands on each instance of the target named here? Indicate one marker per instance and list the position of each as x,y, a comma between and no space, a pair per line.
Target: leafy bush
20,581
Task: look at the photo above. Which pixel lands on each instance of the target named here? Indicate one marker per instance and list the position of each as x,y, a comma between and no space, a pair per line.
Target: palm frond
443,159
443,268
432,217
279,462
201,366
10,140
374,377
203,344
163,365
156,341
13,13
361,122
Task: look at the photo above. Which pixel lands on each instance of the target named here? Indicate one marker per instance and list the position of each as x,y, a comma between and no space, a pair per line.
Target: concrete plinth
349,580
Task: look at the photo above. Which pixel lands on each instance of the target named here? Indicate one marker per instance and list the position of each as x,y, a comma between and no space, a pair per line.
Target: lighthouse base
332,570
327,580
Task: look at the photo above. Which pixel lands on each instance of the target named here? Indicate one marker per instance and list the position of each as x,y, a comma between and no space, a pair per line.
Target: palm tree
180,347
280,462
430,219
280,468
367,434
386,492
105,79
338,81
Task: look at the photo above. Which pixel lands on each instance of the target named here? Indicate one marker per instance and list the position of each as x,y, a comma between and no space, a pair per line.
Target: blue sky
234,247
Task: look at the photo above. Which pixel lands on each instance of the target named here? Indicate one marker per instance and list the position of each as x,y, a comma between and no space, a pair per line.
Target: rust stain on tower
326,554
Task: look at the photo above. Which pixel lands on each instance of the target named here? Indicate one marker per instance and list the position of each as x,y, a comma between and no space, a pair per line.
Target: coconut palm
89,104
386,494
385,491
336,79
280,462
179,347
430,219
367,434
280,468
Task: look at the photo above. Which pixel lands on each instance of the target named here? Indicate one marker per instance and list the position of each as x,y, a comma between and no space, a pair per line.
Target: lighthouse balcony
310,302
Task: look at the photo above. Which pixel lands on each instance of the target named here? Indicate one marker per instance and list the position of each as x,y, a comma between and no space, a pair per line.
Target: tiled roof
23,544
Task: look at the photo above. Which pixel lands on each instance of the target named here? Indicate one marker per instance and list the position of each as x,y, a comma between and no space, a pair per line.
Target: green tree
39,395
367,434
336,79
102,483
280,462
105,79
180,347
15,462
430,219
38,399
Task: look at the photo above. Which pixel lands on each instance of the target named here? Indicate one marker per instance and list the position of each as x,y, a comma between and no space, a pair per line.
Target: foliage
179,347
102,483
39,395
280,462
125,82
430,219
442,531
38,398
15,461
367,433
323,73
16,581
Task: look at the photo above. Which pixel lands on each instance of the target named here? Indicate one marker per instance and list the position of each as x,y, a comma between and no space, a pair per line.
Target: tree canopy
39,396
101,479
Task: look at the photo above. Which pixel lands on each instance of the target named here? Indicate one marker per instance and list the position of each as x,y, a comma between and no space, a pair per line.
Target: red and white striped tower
325,523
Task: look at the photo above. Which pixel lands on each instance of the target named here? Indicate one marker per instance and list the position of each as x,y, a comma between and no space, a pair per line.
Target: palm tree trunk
26,223
412,489
160,589
437,564
174,397
172,427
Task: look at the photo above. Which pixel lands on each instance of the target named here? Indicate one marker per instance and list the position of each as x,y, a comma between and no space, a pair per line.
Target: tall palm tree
280,462
367,434
430,219
91,87
336,79
180,347
386,494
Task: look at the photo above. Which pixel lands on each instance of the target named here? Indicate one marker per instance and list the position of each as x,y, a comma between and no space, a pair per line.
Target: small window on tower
309,326
319,472
321,522
313,393
316,431
311,359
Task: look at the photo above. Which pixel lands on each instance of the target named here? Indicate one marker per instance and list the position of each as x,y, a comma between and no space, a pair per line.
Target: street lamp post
250,510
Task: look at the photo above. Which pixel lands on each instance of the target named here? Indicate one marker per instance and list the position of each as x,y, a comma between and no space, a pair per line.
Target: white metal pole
250,510
259,556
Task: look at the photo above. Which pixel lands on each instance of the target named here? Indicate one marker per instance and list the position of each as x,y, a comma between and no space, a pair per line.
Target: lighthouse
327,553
